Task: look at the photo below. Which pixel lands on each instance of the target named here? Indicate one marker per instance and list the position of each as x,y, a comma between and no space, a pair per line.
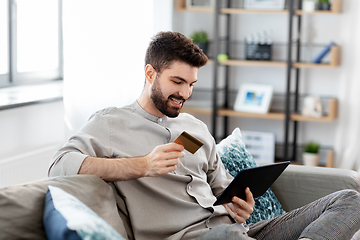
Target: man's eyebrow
182,79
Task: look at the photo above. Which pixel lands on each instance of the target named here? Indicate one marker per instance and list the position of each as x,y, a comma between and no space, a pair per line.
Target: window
30,46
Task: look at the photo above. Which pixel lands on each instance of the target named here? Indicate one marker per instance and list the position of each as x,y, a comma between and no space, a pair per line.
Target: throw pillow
235,157
66,217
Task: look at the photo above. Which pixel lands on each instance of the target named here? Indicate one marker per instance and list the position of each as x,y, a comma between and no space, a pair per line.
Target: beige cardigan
178,205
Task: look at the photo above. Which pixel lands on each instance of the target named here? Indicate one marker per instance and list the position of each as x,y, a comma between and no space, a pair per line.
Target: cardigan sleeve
93,139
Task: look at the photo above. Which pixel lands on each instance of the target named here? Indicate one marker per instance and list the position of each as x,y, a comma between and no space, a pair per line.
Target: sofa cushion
22,207
65,217
235,157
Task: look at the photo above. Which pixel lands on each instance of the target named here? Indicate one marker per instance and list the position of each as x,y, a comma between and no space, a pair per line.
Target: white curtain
104,49
347,142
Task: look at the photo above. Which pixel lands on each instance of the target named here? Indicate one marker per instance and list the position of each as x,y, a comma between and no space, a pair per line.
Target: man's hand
239,209
163,159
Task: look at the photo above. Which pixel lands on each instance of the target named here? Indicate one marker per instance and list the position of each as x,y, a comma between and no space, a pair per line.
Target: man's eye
177,82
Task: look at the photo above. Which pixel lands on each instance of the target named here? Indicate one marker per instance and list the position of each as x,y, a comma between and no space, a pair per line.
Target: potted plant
311,154
323,5
200,38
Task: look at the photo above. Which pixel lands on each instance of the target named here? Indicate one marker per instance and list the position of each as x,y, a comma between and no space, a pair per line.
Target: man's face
173,87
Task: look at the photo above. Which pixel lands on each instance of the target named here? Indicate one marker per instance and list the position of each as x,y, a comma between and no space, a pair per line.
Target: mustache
177,97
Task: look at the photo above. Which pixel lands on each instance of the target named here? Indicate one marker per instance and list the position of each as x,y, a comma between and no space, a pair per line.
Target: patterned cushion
65,217
235,157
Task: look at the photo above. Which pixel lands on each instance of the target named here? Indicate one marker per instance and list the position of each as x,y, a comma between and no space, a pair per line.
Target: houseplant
200,38
311,154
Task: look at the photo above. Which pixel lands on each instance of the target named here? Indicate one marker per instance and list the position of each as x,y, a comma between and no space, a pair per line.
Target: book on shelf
323,53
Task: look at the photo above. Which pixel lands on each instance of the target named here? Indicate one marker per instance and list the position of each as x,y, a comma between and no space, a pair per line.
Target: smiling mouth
176,102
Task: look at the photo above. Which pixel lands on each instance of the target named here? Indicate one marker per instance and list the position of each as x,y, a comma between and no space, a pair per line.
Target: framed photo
200,3
312,107
254,98
261,145
264,4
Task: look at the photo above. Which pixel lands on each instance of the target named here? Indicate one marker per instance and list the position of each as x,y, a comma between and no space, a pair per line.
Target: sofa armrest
300,185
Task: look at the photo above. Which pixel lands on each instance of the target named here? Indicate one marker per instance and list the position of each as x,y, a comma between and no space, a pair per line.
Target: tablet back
258,179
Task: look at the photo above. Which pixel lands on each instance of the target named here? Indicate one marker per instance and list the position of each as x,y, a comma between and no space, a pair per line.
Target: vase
326,6
323,6
311,159
308,5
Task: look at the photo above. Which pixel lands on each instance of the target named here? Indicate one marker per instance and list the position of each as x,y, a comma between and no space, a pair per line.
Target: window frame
15,78
5,78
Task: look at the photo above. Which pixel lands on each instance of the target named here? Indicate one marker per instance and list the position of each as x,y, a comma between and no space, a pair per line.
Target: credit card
189,142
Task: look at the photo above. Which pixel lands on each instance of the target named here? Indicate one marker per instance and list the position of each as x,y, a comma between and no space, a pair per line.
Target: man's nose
186,92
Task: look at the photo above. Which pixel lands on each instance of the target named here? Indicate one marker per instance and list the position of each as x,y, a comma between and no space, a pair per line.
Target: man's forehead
181,71
177,63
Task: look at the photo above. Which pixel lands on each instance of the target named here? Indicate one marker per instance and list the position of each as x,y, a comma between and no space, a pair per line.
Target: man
169,192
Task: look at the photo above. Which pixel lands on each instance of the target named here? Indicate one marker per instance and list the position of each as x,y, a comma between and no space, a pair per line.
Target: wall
30,133
107,67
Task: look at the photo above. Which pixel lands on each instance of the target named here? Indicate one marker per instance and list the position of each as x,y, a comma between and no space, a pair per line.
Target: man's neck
146,104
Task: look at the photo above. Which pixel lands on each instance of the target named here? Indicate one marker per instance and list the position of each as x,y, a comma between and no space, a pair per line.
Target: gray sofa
21,207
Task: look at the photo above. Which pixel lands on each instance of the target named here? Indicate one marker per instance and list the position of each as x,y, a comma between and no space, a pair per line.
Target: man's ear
150,73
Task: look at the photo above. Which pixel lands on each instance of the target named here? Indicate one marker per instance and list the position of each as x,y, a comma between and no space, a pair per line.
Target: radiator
26,167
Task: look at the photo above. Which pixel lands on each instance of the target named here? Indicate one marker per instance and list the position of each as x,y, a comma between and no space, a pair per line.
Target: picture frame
264,4
255,98
312,107
261,145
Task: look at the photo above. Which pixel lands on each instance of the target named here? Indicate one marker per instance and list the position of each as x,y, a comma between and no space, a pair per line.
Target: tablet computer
258,179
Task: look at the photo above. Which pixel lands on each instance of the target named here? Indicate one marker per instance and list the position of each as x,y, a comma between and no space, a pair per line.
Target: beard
161,103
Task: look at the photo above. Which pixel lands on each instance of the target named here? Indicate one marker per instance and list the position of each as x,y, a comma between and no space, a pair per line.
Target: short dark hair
167,47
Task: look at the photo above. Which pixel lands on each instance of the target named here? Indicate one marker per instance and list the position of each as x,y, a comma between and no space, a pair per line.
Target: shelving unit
286,116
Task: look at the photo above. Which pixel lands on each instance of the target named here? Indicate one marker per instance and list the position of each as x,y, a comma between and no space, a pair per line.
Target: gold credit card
189,142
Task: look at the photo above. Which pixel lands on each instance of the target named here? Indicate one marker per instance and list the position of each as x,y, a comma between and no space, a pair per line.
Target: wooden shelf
330,160
331,116
312,65
233,113
335,9
300,118
199,10
197,110
252,63
334,60
250,11
322,12
181,6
